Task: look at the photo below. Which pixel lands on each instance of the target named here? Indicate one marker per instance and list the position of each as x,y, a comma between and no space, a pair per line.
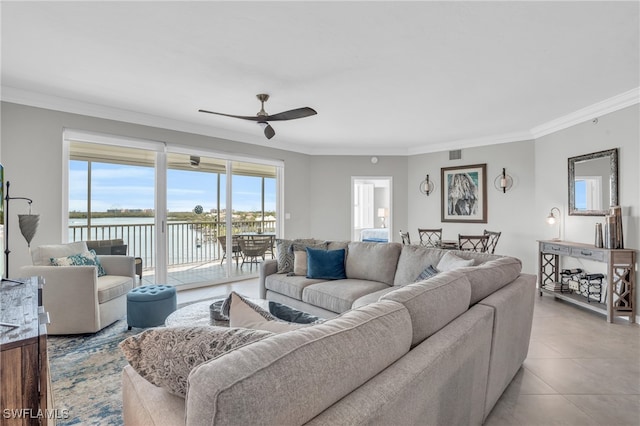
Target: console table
620,276
25,391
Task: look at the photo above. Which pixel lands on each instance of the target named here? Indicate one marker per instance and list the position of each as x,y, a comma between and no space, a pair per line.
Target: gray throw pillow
450,262
165,356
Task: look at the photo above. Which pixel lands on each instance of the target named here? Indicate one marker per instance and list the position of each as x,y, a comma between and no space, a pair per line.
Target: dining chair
235,247
430,237
476,243
493,240
406,240
254,247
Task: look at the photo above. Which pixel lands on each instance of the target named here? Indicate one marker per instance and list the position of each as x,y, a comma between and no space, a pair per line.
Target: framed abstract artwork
464,193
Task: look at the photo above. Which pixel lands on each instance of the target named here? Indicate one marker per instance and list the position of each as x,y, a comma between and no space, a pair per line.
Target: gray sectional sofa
438,351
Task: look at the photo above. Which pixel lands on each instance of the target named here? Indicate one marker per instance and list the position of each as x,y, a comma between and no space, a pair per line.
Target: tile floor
580,370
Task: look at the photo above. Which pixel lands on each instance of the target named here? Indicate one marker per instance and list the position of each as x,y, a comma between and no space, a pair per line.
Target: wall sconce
503,182
382,214
552,219
427,186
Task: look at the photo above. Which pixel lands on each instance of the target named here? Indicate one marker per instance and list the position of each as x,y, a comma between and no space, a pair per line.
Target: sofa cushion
373,261
433,303
491,276
290,286
371,297
319,365
166,355
42,255
338,296
325,264
413,260
113,286
243,313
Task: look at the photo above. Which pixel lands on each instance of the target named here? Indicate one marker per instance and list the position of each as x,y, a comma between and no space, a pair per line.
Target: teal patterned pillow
86,258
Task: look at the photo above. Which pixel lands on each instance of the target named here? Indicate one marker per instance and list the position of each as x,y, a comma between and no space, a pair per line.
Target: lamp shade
382,212
28,226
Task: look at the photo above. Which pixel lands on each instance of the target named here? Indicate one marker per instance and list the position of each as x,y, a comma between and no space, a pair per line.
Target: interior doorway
371,208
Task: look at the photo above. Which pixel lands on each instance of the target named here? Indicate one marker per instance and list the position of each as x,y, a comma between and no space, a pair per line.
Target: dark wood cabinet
25,396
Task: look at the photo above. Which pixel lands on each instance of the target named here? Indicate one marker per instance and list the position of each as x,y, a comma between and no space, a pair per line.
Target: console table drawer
556,249
586,253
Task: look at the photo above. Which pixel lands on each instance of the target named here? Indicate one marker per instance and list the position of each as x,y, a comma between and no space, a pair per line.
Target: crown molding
607,106
39,100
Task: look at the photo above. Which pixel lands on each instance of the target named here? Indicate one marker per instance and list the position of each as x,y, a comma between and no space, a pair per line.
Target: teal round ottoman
150,305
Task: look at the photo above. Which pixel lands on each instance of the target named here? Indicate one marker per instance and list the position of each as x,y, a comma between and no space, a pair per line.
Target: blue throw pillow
428,272
326,264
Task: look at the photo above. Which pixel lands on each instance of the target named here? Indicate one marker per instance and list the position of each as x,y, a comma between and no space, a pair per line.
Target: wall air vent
455,154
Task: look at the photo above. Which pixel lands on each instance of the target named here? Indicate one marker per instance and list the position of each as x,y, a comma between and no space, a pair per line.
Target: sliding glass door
181,211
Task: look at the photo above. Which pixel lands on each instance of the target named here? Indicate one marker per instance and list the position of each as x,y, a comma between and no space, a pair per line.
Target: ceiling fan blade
268,131
244,117
293,114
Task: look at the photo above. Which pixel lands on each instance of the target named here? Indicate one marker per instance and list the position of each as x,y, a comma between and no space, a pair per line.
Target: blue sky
132,187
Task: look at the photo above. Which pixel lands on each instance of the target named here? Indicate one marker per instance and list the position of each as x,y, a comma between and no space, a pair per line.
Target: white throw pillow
300,263
243,313
450,262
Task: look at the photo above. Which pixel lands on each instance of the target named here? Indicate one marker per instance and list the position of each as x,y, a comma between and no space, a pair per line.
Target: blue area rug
86,375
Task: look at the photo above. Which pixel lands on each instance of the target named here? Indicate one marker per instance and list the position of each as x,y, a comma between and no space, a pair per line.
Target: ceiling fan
262,118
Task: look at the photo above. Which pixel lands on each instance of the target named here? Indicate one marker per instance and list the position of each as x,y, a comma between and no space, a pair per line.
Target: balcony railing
188,242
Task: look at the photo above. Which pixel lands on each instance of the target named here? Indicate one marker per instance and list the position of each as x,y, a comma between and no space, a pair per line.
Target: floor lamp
28,225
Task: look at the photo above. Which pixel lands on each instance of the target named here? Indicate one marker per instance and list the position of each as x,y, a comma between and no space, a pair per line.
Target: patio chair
253,247
235,247
493,240
406,240
477,243
430,237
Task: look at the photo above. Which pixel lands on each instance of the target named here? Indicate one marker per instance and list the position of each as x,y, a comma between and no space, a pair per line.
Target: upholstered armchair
77,299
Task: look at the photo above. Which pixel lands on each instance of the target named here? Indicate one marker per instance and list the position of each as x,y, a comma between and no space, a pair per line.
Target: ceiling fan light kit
262,118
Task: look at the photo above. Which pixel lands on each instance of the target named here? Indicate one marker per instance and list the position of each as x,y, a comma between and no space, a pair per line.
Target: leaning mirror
593,183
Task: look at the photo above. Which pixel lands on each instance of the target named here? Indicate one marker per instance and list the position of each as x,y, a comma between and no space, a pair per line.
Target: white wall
318,188
512,212
330,185
33,161
616,130
620,129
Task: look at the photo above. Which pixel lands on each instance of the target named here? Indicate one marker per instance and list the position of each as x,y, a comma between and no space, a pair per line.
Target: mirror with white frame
593,183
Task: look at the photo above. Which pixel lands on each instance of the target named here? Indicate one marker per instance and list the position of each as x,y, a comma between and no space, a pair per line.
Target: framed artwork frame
464,194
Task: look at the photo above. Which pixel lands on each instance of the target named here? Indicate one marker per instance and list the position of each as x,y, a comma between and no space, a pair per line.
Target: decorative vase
610,232
598,241
616,212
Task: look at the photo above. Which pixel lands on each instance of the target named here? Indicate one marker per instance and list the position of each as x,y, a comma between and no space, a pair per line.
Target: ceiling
387,78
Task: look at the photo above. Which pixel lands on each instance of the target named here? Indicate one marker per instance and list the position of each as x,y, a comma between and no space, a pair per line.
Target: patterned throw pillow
87,258
246,314
284,254
428,272
165,356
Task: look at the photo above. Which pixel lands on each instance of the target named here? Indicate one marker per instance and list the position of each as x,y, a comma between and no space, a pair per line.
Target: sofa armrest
268,267
70,296
119,265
